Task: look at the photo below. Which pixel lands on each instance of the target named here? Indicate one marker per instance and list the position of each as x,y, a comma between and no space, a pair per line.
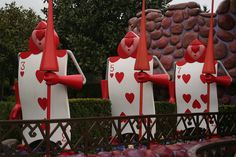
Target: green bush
90,107
95,107
5,109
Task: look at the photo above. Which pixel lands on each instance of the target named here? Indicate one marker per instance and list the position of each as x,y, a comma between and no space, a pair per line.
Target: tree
93,28
16,26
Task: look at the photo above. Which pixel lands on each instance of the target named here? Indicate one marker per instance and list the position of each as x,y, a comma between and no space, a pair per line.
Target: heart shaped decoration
111,75
196,104
204,98
187,97
186,78
129,97
42,103
22,73
39,75
119,76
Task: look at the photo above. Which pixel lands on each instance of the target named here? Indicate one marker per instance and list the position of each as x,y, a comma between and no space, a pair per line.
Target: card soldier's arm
104,85
16,112
160,79
221,80
74,81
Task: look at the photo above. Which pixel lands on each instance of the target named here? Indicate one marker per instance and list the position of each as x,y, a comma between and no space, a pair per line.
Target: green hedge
94,107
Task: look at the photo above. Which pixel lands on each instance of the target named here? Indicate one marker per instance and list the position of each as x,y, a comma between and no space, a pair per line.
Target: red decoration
49,59
141,62
209,65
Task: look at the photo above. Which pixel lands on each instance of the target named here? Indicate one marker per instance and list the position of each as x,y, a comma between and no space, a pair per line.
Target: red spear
209,63
49,62
141,62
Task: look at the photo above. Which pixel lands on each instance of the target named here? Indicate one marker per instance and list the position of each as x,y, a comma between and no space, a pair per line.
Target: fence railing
94,134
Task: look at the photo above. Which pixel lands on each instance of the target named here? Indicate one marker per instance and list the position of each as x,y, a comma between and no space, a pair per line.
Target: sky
37,5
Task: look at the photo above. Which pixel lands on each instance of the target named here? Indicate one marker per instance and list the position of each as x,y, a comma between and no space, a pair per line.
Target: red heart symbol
129,97
188,111
178,76
202,77
22,73
196,104
39,75
129,41
119,76
111,75
40,34
195,48
204,98
123,115
186,77
187,97
42,103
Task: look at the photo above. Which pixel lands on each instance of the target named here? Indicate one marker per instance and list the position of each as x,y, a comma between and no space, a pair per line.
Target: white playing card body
191,92
124,91
33,93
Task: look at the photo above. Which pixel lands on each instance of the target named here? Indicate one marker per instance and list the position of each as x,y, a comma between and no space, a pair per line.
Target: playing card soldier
37,72
129,95
191,85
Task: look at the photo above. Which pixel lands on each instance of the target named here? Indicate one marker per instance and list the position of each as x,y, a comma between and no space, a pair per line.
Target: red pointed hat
41,25
49,58
209,64
141,62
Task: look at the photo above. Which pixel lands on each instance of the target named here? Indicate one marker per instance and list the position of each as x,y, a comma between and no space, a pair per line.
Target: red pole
142,62
49,64
209,63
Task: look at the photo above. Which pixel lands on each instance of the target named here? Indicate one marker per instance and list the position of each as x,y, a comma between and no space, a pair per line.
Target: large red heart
187,97
39,75
123,115
195,48
204,98
42,103
186,77
196,104
202,77
40,34
129,41
22,73
119,76
129,97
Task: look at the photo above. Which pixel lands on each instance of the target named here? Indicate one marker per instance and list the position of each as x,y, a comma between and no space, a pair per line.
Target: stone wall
168,36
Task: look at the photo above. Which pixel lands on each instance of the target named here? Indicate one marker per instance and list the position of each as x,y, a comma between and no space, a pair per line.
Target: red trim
114,59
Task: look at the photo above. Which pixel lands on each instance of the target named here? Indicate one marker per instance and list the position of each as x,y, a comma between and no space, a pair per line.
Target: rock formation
169,34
